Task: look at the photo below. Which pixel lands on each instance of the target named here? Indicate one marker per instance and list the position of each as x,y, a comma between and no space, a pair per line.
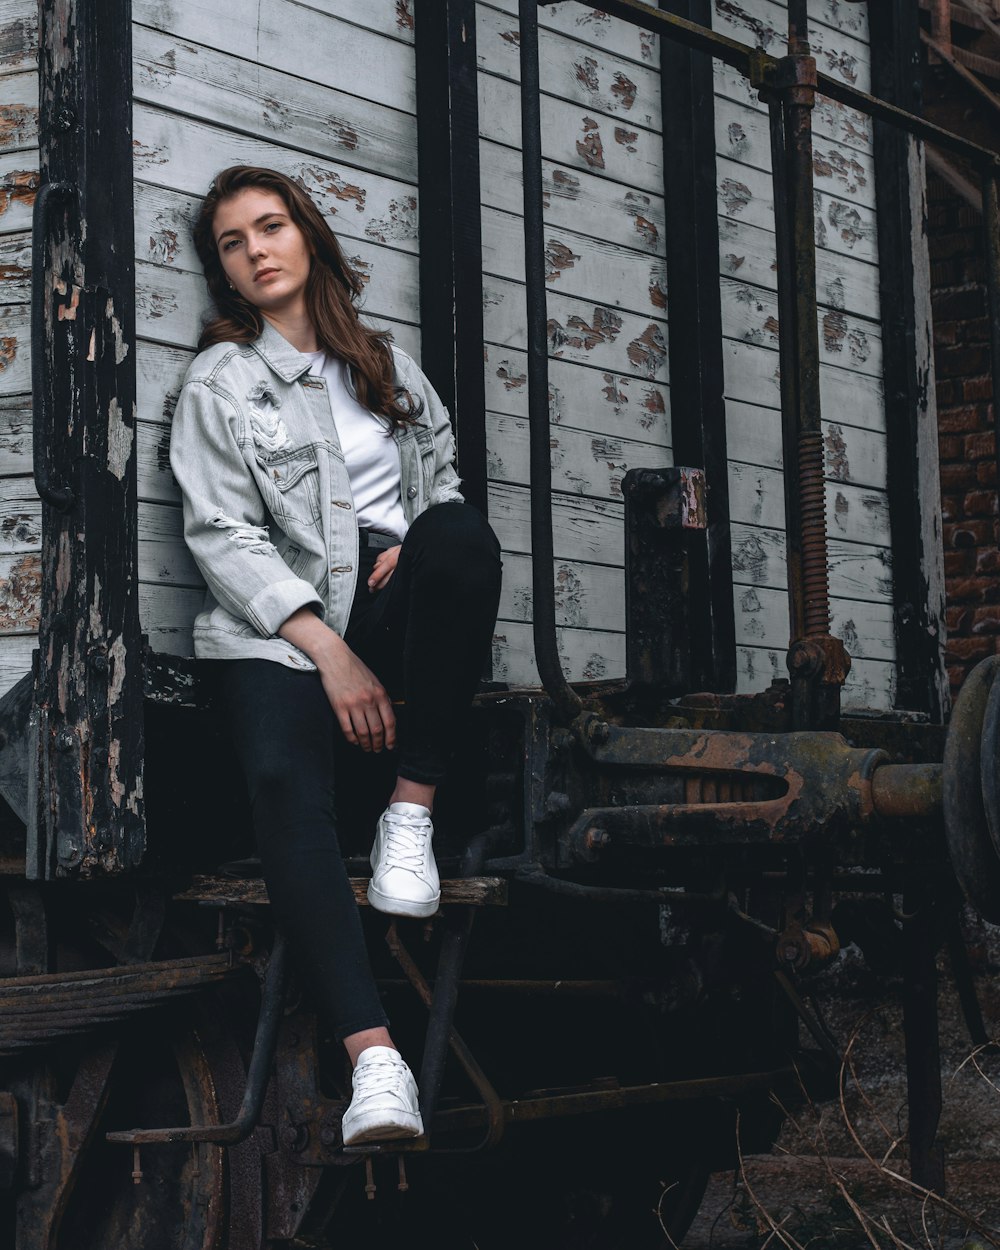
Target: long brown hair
332,289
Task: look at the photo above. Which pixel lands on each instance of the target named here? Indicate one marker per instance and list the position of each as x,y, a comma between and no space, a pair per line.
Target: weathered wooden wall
324,92
850,348
20,509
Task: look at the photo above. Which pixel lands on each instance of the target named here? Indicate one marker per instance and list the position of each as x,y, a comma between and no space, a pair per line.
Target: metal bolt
596,838
136,1166
598,731
65,119
328,1134
99,662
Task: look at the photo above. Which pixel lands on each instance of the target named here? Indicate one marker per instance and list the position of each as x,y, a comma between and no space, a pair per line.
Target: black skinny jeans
425,636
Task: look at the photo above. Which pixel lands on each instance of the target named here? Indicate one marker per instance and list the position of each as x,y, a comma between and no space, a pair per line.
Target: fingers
388,717
385,566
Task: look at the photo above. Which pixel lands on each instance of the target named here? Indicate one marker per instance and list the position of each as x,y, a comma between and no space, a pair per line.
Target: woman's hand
358,698
384,568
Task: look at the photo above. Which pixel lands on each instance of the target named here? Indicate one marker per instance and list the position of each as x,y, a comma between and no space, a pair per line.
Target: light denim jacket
268,512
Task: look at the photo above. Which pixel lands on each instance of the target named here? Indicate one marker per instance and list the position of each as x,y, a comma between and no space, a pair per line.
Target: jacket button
411,492
340,503
342,568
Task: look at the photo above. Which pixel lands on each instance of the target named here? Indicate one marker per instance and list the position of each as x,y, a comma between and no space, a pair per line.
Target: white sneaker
384,1104
404,875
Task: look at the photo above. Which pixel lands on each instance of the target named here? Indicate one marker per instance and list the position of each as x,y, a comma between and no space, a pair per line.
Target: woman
322,507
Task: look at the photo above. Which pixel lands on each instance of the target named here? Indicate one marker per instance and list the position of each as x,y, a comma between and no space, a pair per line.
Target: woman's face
263,252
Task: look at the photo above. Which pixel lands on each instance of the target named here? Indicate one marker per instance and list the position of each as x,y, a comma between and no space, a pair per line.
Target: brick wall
965,420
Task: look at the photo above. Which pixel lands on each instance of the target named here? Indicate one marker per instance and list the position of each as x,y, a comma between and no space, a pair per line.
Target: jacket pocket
294,480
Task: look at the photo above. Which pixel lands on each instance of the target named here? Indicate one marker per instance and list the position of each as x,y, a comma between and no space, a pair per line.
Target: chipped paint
569,593
121,347
843,64
647,44
750,557
837,464
627,138
648,352
144,156
848,222
404,17
399,223
842,168
614,391
558,257
18,123
8,351
624,90
595,668
513,37
331,182
345,134
67,312
590,148
652,408
96,622
20,596
604,327
18,187
120,439
658,288
117,656
586,74
732,263
735,195
647,231
835,294
764,34
841,508
92,346
511,379
738,142
275,114
20,529
163,247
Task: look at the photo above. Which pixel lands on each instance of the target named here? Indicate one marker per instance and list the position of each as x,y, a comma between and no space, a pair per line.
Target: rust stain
647,231
511,380
558,257
346,136
346,192
624,89
590,148
404,18
604,327
615,391
362,268
837,465
20,596
648,352
512,37
399,223
17,124
657,289
8,351
626,138
564,185
18,187
652,408
647,42
735,195
586,74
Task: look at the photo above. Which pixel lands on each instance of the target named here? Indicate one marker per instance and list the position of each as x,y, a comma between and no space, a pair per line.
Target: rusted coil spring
815,578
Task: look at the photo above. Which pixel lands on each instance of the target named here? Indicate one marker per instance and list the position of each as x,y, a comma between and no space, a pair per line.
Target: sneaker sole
401,907
377,1130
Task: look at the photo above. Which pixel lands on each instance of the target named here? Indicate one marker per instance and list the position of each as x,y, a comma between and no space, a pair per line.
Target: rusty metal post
991,228
940,28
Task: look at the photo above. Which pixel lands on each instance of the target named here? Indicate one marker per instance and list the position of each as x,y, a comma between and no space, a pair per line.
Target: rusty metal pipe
991,230
941,25
908,790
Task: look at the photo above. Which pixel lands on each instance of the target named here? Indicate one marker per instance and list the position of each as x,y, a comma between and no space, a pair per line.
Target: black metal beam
694,313
451,266
88,755
896,77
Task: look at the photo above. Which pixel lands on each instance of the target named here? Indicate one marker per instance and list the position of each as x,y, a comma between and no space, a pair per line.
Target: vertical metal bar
451,266
542,573
991,228
694,314
923,1048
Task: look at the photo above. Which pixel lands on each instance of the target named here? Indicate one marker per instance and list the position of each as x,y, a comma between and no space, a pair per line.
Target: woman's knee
459,541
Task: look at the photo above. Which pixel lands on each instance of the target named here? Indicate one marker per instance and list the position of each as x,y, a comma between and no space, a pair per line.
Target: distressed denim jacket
268,512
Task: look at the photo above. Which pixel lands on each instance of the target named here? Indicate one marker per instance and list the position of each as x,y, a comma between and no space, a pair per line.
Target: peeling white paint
121,347
117,655
120,438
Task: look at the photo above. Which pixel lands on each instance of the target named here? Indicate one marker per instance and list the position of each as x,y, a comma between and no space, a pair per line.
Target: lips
263,273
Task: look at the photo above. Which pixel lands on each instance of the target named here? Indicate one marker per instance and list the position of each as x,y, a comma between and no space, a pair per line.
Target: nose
257,248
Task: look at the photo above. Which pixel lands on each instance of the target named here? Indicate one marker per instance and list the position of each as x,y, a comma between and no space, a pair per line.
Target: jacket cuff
269,609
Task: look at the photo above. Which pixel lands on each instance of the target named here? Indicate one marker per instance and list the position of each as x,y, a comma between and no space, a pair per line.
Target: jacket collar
279,355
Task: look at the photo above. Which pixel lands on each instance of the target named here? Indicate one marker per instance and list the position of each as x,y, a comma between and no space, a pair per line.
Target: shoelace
379,1076
406,841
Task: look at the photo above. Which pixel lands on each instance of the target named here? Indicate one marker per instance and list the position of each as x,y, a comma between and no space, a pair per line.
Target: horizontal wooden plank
575,200
762,621
15,350
582,529
171,305
857,571
15,268
18,36
241,892
750,315
20,516
573,137
19,112
582,463
582,331
586,655
588,596
578,265
765,25
596,80
743,134
181,154
163,555
752,376
15,659
311,117
747,194
19,180
371,58
589,399
166,615
592,26
871,684
830,119
20,592
843,283
15,435
853,513
852,455
160,373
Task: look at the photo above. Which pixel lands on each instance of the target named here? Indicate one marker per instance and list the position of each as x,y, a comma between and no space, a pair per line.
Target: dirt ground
819,1189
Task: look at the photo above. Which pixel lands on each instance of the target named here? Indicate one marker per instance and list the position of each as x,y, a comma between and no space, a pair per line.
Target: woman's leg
283,729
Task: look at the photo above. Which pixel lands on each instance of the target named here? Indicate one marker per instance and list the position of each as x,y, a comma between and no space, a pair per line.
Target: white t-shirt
370,452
